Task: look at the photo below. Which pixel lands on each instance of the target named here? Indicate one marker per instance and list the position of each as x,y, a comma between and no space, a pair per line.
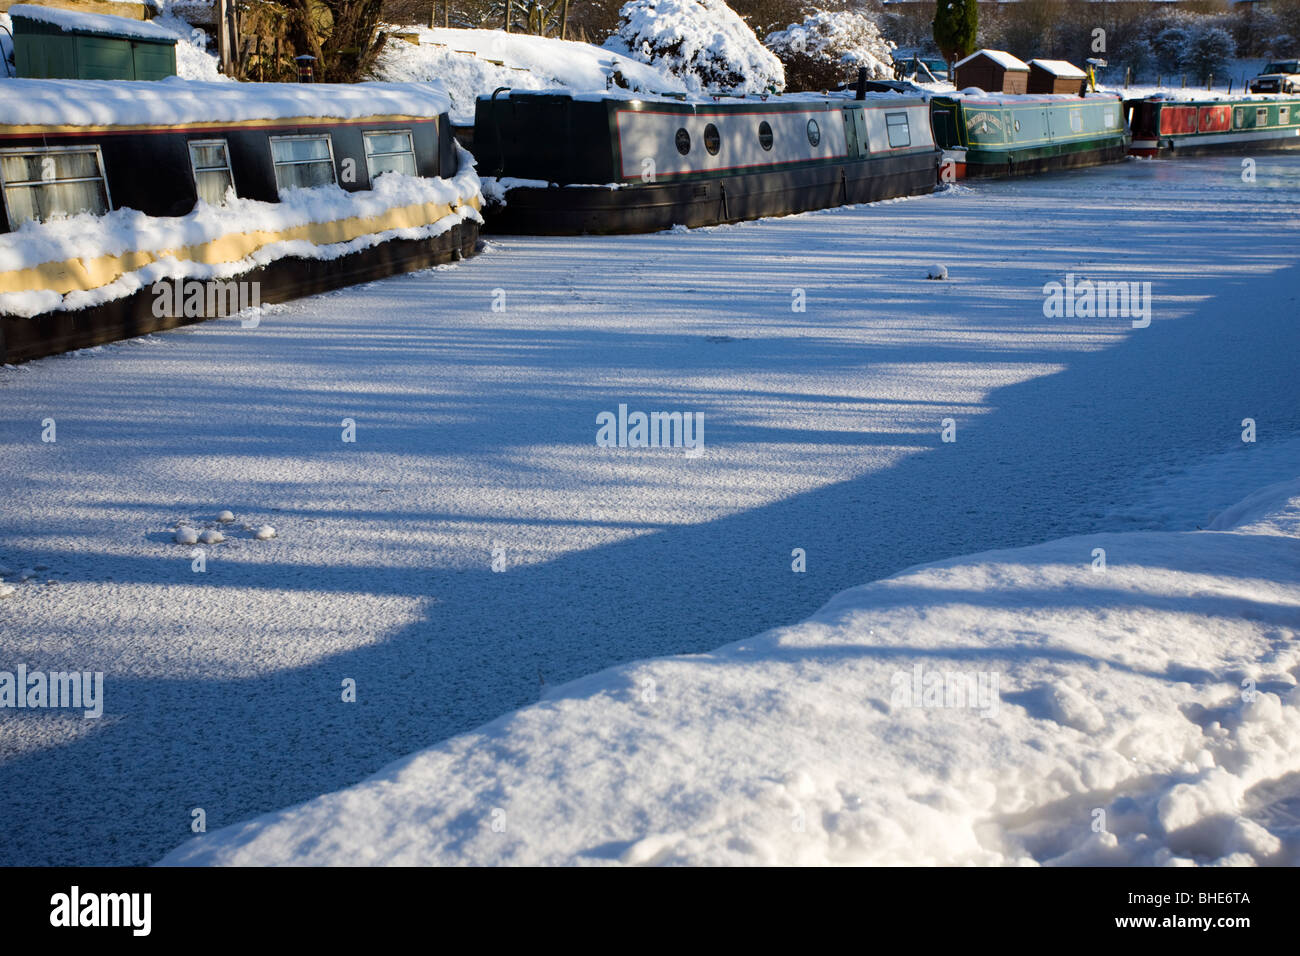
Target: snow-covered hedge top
842,36
1061,68
1000,57
74,21
174,101
704,42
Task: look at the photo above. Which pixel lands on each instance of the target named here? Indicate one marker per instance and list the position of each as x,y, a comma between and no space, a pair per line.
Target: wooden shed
52,43
1056,76
993,71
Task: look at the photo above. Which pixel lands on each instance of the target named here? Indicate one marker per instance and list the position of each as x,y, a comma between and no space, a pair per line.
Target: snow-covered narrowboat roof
980,98
1061,68
1000,57
706,99
177,102
74,21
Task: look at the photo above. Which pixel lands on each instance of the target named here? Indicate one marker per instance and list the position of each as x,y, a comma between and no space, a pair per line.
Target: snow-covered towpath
475,430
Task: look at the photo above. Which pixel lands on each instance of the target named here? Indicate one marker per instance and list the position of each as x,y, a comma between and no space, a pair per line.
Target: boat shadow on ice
1040,464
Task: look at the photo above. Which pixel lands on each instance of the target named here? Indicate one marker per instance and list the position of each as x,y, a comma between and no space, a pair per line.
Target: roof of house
1061,68
1000,57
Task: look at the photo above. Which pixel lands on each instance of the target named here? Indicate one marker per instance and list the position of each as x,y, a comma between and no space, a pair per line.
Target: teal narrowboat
990,134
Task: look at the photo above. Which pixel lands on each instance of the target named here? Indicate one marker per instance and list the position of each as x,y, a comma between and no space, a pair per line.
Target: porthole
814,132
683,141
765,134
712,141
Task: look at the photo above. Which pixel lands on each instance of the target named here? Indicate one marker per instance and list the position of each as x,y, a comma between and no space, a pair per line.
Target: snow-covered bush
1172,47
829,46
704,42
1211,50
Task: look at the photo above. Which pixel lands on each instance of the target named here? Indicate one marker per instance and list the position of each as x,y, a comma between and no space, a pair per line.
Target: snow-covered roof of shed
177,102
1000,57
1062,68
74,21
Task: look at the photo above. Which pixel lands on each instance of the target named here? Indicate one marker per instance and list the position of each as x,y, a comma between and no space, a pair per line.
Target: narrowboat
112,191
564,164
1165,126
1004,134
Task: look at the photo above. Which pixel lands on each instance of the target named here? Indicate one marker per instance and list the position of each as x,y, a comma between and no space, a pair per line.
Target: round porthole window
712,141
1017,126
683,141
765,134
814,132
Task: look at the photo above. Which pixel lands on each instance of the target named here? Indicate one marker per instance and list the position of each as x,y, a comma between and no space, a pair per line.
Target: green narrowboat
1166,126
991,134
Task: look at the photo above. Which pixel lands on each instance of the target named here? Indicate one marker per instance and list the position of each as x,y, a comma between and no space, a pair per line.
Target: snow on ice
1012,707
475,448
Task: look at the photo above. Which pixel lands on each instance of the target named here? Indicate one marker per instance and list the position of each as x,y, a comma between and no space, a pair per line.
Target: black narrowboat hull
598,210
24,339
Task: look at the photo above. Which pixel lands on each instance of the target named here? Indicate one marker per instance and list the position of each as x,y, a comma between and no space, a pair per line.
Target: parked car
909,62
1280,76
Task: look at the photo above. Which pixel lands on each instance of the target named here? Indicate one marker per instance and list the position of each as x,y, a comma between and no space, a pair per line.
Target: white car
1280,76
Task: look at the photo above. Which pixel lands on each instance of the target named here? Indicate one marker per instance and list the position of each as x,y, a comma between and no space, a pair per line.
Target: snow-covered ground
1024,706
473,63
475,440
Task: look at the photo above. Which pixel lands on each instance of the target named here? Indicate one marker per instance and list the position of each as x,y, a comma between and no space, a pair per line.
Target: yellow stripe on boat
82,275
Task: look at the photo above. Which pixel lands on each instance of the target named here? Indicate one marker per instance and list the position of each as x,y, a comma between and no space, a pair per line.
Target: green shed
51,43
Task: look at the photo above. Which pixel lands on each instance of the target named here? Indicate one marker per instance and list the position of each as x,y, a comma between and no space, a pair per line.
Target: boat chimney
862,83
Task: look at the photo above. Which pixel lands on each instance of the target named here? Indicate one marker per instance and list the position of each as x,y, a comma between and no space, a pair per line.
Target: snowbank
176,247
704,42
1050,704
176,101
463,62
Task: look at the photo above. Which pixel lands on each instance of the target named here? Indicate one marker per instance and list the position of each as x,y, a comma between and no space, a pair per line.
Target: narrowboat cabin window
712,141
1261,116
1282,114
302,161
899,133
390,151
40,183
210,160
765,135
683,141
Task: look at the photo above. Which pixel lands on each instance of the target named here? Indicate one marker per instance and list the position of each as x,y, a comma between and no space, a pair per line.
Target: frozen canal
474,392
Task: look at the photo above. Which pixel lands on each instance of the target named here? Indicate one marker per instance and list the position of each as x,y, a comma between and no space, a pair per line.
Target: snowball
937,272
186,536
225,517
6,590
212,537
264,532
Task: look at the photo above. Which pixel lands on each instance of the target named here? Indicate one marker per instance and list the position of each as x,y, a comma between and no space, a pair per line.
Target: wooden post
564,21
508,2
1210,85
446,13
223,38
